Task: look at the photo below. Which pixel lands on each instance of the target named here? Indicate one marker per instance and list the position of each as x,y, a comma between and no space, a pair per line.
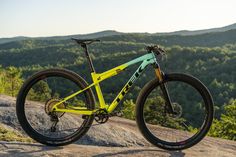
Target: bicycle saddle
85,41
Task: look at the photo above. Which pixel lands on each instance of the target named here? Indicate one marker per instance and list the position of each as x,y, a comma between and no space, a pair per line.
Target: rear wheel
36,99
192,117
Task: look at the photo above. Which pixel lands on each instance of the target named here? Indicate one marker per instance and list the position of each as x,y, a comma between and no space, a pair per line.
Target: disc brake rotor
177,109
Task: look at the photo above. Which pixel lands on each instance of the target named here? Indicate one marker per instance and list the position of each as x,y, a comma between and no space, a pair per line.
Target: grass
11,135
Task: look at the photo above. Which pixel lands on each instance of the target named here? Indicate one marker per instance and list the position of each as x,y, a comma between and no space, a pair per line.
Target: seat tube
95,78
98,90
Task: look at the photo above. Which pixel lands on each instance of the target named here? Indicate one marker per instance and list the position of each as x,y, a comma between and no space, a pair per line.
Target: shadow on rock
13,149
142,151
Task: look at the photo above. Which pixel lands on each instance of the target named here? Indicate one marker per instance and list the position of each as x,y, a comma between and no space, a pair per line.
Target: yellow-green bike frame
99,77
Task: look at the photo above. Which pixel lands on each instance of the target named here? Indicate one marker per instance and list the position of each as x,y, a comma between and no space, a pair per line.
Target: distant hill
210,39
197,32
7,40
85,36
81,36
108,33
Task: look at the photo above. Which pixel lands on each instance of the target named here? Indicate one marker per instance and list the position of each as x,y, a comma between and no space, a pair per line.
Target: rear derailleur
54,119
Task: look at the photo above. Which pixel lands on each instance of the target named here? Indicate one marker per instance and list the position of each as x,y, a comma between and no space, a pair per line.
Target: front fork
160,77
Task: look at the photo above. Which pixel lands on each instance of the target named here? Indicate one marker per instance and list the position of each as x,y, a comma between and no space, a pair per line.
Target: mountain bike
57,107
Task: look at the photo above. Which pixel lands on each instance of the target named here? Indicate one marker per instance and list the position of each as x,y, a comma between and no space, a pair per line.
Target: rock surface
118,137
209,147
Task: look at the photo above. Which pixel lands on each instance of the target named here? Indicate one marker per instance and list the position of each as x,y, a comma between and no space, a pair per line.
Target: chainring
101,116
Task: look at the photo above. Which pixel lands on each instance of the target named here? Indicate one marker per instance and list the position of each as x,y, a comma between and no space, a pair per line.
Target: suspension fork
160,77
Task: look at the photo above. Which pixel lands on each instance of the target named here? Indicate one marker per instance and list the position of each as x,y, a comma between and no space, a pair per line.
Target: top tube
148,56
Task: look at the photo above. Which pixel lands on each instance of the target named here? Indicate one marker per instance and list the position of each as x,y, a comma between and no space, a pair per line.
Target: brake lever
161,51
157,50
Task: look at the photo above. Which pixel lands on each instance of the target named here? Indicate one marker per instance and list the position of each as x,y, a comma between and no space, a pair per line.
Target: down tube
127,86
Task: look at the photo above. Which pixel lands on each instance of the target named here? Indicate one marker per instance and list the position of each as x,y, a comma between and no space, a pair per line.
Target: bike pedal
118,114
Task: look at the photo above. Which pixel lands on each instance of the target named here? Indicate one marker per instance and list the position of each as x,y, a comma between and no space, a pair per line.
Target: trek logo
129,84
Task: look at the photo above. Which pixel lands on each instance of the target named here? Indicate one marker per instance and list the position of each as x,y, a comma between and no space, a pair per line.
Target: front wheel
191,119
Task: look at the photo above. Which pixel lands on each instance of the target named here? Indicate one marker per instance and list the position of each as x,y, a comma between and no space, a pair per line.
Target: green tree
40,92
129,109
155,113
226,126
2,73
12,81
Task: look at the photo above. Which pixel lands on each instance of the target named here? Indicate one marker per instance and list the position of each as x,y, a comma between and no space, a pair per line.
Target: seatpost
84,46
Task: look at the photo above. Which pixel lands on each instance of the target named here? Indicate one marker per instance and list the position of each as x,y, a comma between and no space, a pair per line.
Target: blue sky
65,17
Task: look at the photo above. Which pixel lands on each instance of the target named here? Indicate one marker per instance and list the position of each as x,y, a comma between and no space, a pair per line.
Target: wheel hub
177,110
49,107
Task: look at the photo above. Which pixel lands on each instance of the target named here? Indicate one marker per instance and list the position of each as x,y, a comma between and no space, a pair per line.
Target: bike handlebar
156,49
